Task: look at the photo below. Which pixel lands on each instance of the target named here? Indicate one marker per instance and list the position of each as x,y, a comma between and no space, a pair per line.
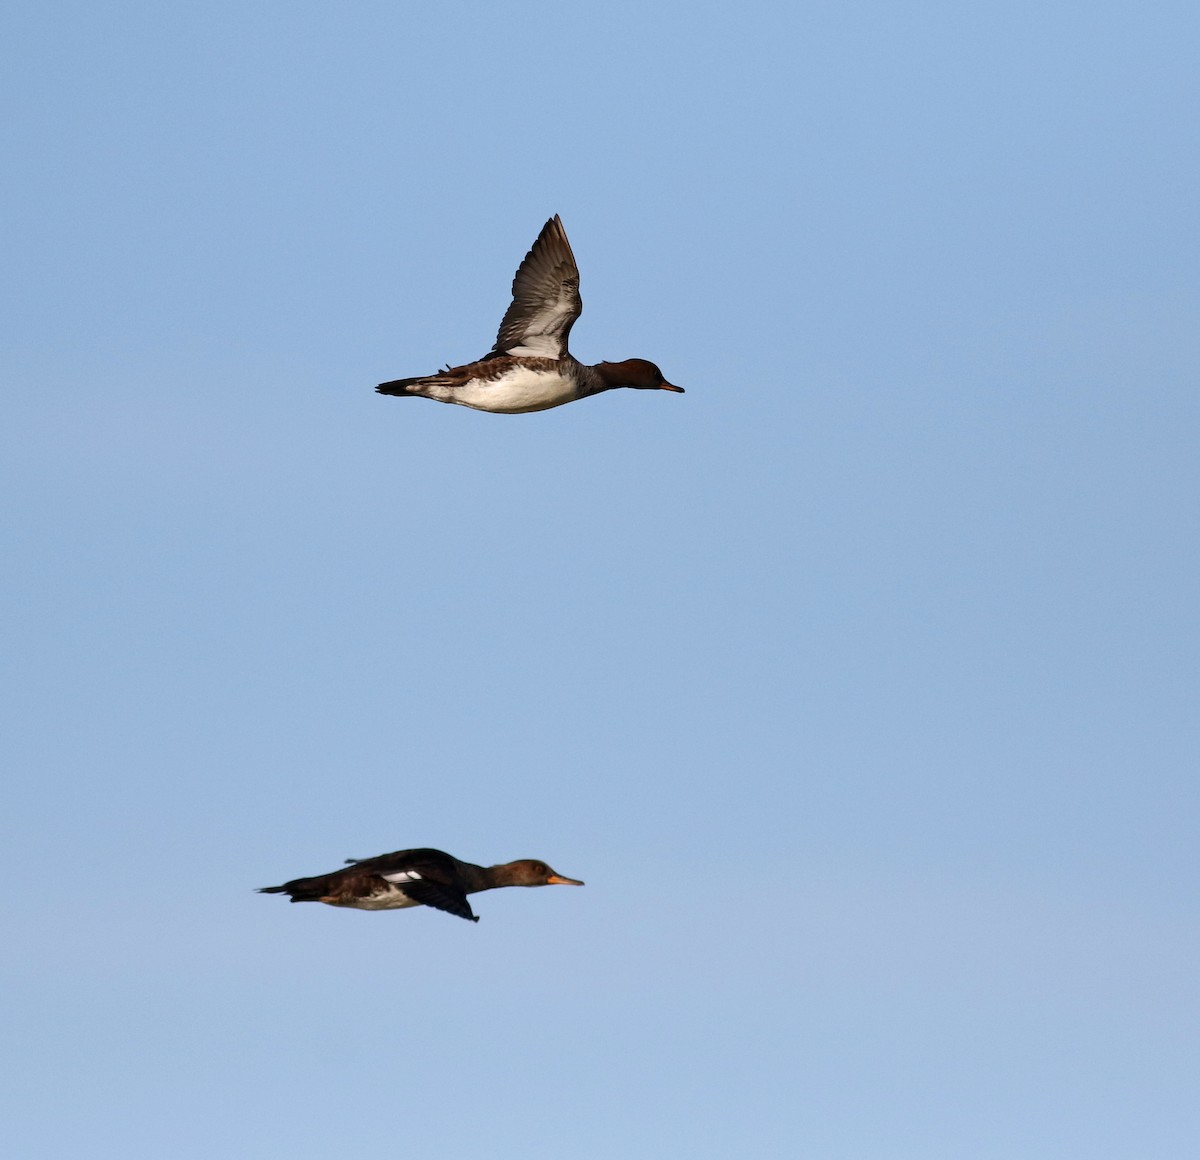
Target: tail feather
301,889
398,386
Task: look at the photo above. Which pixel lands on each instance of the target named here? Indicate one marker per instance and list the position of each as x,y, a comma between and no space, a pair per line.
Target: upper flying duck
530,368
416,878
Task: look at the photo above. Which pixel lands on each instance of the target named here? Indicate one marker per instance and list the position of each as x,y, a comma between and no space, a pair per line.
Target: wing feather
441,897
546,299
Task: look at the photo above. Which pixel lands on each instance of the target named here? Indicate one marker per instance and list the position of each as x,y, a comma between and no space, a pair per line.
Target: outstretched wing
545,301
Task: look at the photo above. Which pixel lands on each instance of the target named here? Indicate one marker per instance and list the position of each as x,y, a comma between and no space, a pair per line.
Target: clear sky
860,682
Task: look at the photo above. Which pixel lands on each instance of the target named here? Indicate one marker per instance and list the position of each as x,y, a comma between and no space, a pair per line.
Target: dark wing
440,896
428,863
430,877
545,301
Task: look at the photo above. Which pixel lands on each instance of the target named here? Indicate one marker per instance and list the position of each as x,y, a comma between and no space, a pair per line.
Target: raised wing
545,301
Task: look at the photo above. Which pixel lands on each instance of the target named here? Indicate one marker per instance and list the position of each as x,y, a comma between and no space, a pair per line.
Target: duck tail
301,890
398,386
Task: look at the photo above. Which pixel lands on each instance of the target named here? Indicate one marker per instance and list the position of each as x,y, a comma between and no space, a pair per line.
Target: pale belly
517,391
390,899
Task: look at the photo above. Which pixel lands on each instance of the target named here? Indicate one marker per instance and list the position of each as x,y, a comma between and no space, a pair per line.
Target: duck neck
501,875
602,377
475,878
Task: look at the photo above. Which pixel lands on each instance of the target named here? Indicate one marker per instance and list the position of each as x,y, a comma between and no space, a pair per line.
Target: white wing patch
398,876
539,345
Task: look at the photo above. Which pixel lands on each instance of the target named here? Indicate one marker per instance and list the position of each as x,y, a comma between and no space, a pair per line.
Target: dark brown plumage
416,878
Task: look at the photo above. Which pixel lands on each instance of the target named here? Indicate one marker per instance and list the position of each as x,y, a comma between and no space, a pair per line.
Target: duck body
423,877
530,368
511,385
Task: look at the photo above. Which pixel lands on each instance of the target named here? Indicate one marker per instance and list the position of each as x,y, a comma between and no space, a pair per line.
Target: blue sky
859,682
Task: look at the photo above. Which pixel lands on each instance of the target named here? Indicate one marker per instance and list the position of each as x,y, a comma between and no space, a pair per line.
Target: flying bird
530,368
416,878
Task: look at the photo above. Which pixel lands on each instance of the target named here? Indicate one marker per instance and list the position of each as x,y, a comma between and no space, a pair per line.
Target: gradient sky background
860,682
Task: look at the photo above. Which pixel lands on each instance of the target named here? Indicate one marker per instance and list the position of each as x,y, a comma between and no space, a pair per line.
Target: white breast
517,390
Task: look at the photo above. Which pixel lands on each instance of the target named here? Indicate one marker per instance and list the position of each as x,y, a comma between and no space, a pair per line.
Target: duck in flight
416,878
530,368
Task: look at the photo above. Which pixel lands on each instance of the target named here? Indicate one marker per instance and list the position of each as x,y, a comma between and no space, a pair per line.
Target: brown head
529,872
636,373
